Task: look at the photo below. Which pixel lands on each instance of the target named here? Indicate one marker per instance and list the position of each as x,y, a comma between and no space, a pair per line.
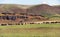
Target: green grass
33,30
32,26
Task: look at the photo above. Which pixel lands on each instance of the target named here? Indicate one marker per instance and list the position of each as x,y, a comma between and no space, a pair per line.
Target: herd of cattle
41,22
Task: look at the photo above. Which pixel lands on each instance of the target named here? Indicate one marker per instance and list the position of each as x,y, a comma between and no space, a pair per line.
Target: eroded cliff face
24,13
11,18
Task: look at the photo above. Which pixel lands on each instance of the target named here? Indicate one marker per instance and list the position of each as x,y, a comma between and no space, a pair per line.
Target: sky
30,2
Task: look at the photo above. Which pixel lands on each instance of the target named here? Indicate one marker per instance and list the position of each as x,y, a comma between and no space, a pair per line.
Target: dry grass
35,31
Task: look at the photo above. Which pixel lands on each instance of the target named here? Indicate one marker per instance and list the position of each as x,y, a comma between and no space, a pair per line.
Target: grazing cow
10,24
18,24
3,24
52,22
32,23
56,22
47,22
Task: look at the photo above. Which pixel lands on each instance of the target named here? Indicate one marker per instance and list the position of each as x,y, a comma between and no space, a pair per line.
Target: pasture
31,30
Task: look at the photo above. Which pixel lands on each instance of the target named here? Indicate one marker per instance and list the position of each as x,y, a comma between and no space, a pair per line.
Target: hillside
41,9
30,12
45,9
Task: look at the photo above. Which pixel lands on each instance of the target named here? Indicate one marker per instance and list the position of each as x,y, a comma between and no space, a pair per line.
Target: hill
42,9
29,12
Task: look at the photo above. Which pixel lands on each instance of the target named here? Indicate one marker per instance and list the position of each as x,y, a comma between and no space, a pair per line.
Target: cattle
10,24
3,24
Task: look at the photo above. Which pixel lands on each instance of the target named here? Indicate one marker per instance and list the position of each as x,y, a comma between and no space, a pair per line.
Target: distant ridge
42,9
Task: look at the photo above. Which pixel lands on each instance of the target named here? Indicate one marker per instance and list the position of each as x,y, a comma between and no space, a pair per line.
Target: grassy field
33,30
